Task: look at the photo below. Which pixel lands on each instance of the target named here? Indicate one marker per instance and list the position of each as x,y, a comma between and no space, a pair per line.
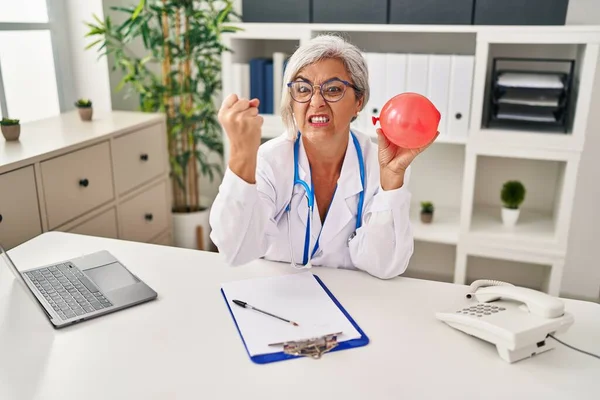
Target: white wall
582,271
583,12
581,277
90,74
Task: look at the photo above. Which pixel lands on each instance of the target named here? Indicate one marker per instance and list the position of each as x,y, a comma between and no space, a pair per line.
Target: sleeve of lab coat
242,216
384,244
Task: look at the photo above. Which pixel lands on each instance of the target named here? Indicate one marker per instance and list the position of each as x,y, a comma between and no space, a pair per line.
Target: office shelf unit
463,174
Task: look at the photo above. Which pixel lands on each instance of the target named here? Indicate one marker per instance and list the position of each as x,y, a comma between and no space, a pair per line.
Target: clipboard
327,343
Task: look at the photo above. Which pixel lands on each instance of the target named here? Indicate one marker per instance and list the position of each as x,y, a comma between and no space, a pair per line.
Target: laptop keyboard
68,290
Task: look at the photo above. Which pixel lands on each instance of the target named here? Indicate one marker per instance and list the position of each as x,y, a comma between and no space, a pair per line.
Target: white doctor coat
249,221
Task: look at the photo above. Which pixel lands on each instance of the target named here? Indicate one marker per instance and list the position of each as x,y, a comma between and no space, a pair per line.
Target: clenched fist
242,124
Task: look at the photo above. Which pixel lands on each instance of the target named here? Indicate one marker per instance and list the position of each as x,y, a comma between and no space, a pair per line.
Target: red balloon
409,120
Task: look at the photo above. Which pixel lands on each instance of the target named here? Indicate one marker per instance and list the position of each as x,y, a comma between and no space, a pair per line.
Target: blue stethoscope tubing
310,195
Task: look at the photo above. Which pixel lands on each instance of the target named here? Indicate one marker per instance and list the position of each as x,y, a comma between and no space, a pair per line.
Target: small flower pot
426,218
85,113
11,132
510,216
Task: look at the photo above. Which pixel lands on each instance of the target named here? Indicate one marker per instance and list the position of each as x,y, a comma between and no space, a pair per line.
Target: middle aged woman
321,193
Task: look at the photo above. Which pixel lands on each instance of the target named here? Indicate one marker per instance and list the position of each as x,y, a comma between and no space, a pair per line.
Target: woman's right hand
243,126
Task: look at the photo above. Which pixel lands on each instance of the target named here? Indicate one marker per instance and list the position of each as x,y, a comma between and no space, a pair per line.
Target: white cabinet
462,174
103,225
139,157
19,211
146,215
76,183
107,177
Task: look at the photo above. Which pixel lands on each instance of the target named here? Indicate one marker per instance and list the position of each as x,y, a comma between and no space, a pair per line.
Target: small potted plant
512,195
85,109
11,129
426,212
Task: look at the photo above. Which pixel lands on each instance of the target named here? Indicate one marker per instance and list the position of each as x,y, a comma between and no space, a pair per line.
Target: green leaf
89,46
223,14
98,20
138,9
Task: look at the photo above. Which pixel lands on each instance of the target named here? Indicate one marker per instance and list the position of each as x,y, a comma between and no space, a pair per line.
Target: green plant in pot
427,209
11,128
85,109
179,76
512,196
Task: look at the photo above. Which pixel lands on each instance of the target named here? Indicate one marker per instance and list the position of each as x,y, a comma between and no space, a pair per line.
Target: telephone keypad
481,310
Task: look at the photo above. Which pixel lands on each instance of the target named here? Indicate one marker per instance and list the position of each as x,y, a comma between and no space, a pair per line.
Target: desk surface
185,345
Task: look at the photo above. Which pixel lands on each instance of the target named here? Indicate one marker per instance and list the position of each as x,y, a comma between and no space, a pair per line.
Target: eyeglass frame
313,86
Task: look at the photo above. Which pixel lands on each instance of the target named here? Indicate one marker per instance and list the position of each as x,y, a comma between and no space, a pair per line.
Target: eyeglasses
333,90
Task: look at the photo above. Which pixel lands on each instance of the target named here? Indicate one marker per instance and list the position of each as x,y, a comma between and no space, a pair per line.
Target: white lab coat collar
342,209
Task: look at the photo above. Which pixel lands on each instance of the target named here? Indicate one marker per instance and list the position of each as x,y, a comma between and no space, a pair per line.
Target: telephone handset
516,319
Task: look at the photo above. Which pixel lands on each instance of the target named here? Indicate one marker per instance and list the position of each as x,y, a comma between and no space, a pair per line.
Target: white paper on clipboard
297,297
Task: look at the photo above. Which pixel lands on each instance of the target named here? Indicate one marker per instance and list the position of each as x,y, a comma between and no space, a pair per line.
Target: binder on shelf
533,94
439,87
261,83
459,102
417,73
279,63
395,74
268,82
323,325
376,63
241,79
257,81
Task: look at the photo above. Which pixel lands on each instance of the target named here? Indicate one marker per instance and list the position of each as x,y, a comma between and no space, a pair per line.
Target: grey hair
320,48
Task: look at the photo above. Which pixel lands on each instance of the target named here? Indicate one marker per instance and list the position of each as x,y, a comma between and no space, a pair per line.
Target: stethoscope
310,196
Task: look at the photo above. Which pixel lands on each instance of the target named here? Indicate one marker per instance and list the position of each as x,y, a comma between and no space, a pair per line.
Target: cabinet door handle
0,217
84,182
148,217
144,157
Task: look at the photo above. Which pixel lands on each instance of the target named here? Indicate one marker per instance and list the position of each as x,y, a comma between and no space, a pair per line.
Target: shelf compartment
533,226
543,58
436,175
444,229
571,135
538,227
432,261
531,275
254,68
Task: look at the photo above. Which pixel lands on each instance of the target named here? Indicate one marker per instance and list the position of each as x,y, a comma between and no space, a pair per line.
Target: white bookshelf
462,175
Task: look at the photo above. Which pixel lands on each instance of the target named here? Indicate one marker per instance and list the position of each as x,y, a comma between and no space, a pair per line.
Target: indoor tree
179,76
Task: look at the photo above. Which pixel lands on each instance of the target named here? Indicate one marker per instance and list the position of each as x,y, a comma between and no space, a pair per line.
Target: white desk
184,345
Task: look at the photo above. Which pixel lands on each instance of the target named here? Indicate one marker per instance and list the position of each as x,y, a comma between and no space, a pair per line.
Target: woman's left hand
394,160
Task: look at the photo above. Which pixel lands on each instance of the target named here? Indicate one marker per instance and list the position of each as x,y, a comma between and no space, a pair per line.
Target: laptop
82,288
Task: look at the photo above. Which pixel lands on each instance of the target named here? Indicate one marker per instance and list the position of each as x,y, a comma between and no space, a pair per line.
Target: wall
581,277
90,74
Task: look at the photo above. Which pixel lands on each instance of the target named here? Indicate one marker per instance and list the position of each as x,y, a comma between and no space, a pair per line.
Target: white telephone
516,319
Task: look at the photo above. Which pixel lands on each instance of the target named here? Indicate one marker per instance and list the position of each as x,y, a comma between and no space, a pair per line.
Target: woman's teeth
319,120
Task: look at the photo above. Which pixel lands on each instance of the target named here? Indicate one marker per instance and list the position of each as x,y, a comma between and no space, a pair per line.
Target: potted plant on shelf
512,195
11,129
85,109
180,76
426,212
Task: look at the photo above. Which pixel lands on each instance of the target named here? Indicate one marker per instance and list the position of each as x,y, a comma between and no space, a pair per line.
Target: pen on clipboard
246,305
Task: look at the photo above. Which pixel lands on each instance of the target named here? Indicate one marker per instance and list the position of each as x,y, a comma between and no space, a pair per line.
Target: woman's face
319,119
